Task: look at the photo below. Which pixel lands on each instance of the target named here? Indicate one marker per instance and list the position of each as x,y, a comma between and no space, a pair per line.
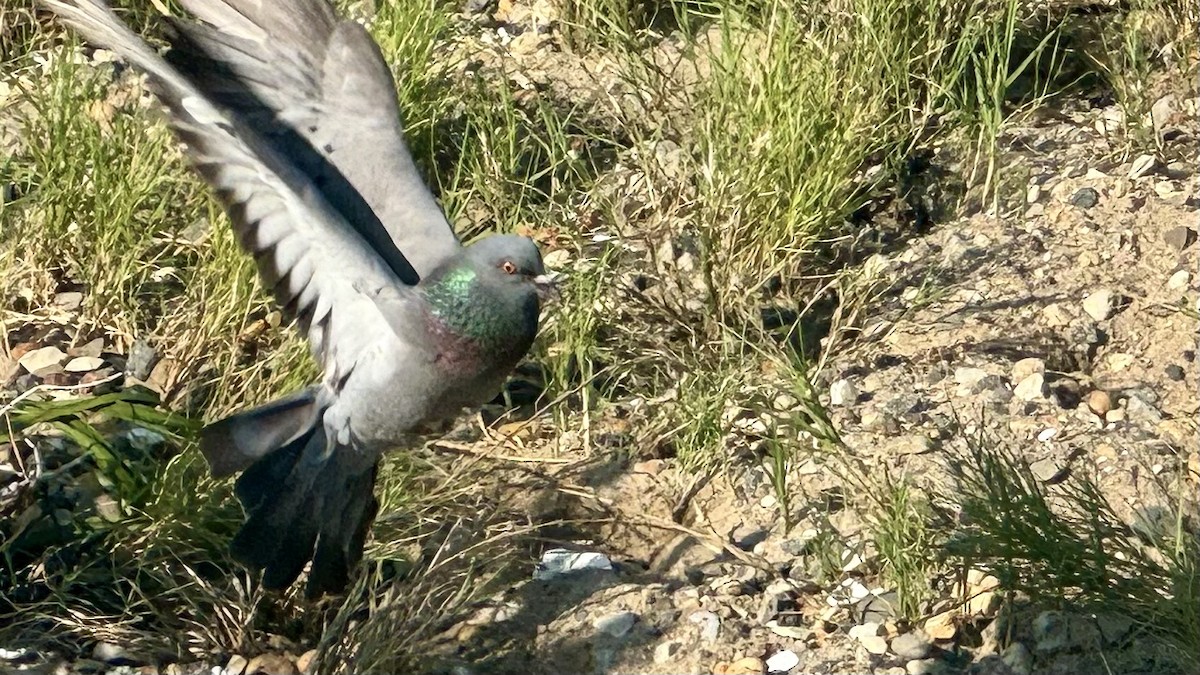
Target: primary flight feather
290,114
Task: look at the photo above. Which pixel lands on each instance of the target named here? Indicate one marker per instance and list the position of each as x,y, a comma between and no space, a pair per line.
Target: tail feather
343,533
264,478
304,500
238,441
280,529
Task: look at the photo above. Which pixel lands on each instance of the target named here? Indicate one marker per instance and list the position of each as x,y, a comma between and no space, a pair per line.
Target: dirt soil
1063,329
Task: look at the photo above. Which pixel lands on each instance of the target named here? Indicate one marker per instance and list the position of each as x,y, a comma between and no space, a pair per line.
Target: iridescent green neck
461,304
471,317
452,299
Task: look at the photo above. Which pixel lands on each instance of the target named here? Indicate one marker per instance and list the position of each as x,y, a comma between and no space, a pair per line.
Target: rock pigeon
290,114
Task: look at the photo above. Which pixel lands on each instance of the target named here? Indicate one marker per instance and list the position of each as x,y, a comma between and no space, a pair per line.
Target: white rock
1058,314
710,624
1032,388
869,629
1100,305
617,624
874,644
1142,165
1161,111
969,377
1179,280
665,651
108,652
924,667
36,359
843,392
1026,367
782,662
83,364
1044,470
1046,434
858,591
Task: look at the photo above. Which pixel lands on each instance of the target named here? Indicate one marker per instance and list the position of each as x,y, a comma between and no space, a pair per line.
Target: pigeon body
290,115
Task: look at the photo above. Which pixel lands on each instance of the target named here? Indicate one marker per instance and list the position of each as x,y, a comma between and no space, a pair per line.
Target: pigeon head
488,294
508,260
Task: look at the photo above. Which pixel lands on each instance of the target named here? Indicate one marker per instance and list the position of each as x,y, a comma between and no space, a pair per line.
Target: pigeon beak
547,285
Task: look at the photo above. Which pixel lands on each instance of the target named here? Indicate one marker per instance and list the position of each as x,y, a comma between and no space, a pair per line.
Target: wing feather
318,266
319,91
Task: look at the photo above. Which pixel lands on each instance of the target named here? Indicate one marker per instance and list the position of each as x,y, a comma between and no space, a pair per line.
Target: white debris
558,562
782,662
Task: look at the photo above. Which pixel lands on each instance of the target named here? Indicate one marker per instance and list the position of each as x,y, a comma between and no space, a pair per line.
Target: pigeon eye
508,267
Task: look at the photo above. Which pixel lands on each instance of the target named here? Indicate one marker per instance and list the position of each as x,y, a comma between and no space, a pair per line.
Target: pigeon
289,113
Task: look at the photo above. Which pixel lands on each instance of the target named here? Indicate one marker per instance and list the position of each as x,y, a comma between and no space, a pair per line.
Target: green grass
1068,545
787,119
908,546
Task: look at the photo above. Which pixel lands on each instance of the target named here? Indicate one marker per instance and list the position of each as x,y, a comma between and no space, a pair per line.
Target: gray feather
313,257
234,443
319,91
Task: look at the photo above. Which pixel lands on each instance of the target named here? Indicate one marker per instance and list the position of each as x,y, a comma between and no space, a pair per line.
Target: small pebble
1142,166
1018,658
1099,402
869,629
39,359
1175,372
874,644
141,360
1179,237
1045,470
109,652
842,393
1085,198
665,651
83,364
307,661
710,624
69,301
1100,305
1026,367
1032,388
270,664
782,661
617,624
925,667
1179,280
236,665
910,646
969,377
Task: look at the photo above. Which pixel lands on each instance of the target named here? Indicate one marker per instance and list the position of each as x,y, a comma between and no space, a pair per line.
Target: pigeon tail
238,441
305,499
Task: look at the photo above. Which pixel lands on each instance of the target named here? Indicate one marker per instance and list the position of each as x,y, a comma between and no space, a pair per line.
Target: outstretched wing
318,90
319,268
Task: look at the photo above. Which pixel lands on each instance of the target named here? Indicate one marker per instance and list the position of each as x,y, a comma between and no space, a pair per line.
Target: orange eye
508,267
